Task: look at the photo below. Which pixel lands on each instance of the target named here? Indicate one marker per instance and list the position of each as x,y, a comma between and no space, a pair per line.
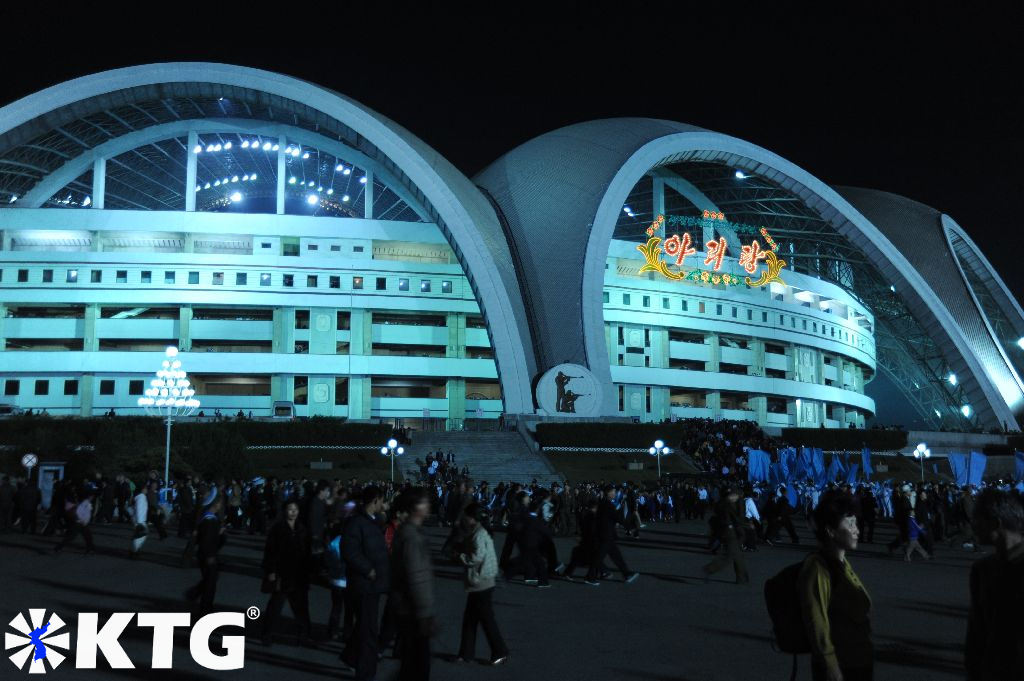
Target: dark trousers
732,554
388,625
414,649
361,648
611,550
73,530
533,565
479,612
338,603
28,520
206,589
298,601
778,524
820,673
6,516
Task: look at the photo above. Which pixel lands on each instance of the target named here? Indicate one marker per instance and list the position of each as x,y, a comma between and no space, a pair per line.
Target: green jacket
836,613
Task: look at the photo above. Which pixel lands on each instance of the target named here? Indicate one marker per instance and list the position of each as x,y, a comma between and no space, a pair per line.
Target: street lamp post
169,395
659,450
392,449
921,453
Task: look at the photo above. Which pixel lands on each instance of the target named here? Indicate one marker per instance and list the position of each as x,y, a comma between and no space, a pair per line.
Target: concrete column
456,347
282,143
361,332
323,336
714,403
839,413
90,341
281,388
659,348
759,405
791,372
190,171
188,243
659,196
86,393
715,350
8,240
756,367
661,403
3,321
96,242
819,367
99,182
284,331
185,329
455,391
793,409
368,196
359,396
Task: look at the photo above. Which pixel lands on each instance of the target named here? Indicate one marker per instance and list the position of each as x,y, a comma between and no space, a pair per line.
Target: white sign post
29,461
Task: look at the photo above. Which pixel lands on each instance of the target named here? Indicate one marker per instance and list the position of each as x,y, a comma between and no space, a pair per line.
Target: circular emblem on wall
569,390
323,322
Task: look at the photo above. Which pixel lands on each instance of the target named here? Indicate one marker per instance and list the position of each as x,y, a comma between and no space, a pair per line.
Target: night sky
921,105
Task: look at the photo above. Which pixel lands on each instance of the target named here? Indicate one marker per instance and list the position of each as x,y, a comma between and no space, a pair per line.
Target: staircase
491,456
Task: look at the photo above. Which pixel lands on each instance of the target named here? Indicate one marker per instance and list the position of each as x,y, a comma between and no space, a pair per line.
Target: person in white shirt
752,527
141,512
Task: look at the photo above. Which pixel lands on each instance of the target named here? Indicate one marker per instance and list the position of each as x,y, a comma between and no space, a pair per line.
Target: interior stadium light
291,180
740,175
209,148
288,149
627,209
197,149
216,183
295,152
217,147
234,178
311,183
966,411
951,378
937,414
198,187
319,189
330,191
225,180
252,177
893,288
312,199
305,155
245,178
227,145
87,201
14,197
1020,343
276,147
236,197
345,198
206,186
339,168
245,144
346,171
267,146
362,180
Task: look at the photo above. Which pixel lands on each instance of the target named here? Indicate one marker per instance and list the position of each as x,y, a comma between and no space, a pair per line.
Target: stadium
310,257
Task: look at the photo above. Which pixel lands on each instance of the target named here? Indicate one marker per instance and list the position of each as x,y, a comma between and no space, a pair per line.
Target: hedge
846,438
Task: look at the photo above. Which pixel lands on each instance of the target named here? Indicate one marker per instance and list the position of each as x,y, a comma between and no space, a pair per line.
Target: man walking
605,526
729,527
368,576
209,540
413,587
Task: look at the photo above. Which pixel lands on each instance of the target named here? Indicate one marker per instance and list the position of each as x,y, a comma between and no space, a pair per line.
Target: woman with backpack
834,604
481,568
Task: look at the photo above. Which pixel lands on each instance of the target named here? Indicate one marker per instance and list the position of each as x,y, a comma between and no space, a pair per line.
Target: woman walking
481,568
286,570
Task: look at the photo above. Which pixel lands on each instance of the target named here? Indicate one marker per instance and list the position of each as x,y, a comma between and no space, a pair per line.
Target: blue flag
818,466
835,469
851,475
865,462
793,497
976,468
803,464
958,466
1018,458
757,465
775,474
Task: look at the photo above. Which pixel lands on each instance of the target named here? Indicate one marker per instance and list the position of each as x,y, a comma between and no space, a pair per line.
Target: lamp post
659,450
921,453
392,449
169,395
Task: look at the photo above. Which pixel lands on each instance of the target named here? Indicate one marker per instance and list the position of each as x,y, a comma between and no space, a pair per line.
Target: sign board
569,390
479,412
29,461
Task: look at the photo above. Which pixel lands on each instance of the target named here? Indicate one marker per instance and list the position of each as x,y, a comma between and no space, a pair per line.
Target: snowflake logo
36,641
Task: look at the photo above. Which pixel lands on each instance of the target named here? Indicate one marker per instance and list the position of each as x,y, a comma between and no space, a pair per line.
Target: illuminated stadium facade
305,252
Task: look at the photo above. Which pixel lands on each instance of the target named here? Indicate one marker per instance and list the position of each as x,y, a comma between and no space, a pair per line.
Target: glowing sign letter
680,248
715,252
750,255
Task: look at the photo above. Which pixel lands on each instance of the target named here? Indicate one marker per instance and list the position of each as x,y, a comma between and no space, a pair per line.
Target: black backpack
783,601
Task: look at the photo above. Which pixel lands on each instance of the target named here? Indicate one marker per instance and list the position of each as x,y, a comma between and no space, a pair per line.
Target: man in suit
605,526
368,574
729,530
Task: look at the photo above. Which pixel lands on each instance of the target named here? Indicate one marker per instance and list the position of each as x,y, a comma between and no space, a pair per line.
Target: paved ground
667,626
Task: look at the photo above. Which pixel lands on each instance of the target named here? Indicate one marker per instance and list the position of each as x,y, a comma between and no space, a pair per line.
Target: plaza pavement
668,626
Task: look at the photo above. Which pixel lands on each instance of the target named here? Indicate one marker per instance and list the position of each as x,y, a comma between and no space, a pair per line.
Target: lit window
265,279
446,287
403,284
424,286
72,277
357,283
241,278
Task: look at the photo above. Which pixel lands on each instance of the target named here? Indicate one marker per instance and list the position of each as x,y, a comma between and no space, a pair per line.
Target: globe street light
659,450
392,449
169,395
921,453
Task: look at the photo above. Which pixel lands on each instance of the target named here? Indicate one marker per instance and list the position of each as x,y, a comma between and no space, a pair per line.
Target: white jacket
482,565
141,508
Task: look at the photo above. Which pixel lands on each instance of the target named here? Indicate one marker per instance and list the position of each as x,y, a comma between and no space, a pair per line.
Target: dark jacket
995,628
364,550
534,533
286,555
605,521
209,539
412,575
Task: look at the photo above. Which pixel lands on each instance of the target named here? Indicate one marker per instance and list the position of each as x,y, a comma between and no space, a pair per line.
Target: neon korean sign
680,247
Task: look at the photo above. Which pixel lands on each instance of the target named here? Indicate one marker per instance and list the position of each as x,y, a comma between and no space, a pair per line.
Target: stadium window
764,317
357,249
264,278
625,299
647,360
792,322
605,297
622,398
647,400
335,282
424,286
685,306
664,304
72,277
734,313
218,279
193,277
12,386
107,387
335,248
357,283
121,277
146,277
446,287
47,276
718,309
96,277
312,247
311,280
647,338
169,277
782,320
804,324
700,307
622,340
42,387
646,301
135,387
290,249
288,280
403,284
241,278
750,315
382,284
71,386
22,276
265,244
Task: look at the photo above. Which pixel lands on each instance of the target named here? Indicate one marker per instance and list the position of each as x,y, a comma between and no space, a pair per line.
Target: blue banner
1018,465
851,475
865,462
976,468
757,466
818,466
776,476
804,467
958,466
793,497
